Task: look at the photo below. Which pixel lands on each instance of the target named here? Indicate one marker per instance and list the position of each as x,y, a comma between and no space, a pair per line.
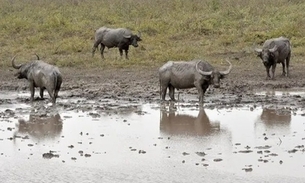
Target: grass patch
63,31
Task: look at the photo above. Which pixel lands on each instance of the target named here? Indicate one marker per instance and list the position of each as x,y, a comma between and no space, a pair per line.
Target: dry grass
62,32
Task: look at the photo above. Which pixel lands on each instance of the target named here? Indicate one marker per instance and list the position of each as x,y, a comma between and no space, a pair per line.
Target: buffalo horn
258,51
13,63
127,36
202,72
228,70
37,56
273,49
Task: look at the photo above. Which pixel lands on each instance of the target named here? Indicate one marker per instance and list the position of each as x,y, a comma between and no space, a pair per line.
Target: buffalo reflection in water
40,127
276,117
183,124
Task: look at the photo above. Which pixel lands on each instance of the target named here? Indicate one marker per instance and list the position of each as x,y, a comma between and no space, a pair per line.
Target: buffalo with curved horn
40,74
183,74
274,51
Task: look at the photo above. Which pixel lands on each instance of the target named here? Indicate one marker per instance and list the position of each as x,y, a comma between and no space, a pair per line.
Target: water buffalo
274,51
182,75
110,38
42,75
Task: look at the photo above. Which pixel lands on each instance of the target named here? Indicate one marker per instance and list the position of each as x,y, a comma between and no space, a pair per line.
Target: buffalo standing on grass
110,38
276,50
40,74
182,75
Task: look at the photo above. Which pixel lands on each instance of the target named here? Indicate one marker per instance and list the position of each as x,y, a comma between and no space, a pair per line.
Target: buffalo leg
172,92
163,92
121,52
200,94
94,47
56,93
201,91
126,54
102,50
287,64
32,90
284,72
41,92
58,85
267,71
52,95
273,70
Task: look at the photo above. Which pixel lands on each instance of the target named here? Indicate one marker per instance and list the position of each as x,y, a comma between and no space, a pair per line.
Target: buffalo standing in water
182,75
110,38
276,50
41,75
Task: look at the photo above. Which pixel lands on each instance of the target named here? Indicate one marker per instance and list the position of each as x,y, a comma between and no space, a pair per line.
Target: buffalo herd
172,75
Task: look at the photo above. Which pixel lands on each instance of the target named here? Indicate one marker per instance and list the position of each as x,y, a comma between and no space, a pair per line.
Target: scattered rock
142,152
217,160
50,155
292,151
201,153
87,155
247,169
245,151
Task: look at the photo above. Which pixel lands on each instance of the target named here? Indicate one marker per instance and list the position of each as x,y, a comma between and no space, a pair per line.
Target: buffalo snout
216,85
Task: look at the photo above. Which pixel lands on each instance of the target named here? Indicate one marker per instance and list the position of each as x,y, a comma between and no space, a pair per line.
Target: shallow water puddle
153,141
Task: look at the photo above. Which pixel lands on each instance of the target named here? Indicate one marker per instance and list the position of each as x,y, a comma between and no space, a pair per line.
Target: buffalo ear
258,52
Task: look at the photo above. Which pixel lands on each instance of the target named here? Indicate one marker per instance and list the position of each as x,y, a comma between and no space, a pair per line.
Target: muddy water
148,142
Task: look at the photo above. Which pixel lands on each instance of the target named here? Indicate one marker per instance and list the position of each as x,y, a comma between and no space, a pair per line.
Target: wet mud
110,125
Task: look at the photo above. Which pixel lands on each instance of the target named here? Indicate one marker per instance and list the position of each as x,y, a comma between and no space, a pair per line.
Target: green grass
62,32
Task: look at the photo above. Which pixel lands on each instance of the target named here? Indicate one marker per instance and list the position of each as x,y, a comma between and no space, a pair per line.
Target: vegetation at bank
62,32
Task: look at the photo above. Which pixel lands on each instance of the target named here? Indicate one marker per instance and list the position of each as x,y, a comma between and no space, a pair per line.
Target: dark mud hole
115,117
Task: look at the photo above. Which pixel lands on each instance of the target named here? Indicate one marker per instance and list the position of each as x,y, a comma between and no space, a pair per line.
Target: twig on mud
280,141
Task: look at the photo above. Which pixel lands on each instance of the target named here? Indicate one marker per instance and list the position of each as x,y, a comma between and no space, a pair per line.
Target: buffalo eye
271,54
